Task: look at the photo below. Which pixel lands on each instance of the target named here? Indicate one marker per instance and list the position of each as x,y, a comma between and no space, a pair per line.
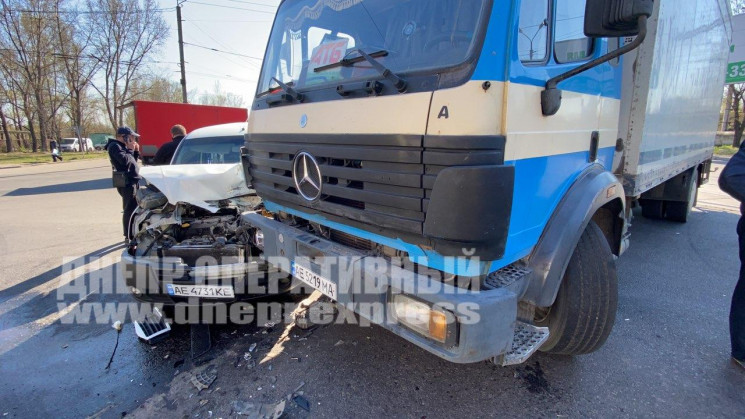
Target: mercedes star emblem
307,176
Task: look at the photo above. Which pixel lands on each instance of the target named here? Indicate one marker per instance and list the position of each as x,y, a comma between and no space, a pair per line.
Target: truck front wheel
583,314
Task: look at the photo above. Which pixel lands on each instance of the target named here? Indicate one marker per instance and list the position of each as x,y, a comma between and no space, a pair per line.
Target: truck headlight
434,323
258,239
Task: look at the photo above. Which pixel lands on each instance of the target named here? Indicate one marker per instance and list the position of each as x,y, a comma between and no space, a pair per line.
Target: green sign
736,72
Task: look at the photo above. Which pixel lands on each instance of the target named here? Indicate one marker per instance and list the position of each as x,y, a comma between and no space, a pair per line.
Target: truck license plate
204,291
318,282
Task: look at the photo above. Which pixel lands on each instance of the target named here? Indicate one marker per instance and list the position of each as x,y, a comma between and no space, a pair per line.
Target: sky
237,28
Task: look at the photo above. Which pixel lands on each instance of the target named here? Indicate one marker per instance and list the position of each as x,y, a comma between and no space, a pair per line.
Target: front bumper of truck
484,320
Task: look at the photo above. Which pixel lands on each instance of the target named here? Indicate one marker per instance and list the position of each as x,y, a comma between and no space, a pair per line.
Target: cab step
152,328
526,340
513,277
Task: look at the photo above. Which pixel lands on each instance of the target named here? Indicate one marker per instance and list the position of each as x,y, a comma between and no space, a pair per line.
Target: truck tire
653,209
584,312
679,211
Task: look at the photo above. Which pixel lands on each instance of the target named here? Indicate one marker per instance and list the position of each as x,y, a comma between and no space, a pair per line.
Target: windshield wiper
346,62
289,91
398,82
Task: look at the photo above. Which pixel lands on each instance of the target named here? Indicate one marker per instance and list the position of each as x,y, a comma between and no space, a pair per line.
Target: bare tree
738,6
158,88
220,98
124,33
78,67
27,38
5,100
738,97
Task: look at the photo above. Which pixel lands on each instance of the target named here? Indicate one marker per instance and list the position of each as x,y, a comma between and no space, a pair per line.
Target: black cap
125,130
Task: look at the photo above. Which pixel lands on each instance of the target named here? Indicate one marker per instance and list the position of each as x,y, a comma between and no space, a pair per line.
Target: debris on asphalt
301,385
340,342
264,411
247,356
295,358
269,367
273,411
204,379
252,347
302,402
116,345
65,346
241,408
203,402
273,379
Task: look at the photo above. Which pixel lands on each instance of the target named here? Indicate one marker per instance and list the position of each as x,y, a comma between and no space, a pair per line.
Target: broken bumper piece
152,328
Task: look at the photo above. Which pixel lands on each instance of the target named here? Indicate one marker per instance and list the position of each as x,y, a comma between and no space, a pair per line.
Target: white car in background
72,144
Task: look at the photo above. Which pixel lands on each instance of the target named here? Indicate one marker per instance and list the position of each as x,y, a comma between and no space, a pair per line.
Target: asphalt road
668,355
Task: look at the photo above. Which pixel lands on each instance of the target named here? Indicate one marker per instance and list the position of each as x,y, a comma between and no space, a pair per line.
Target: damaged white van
189,243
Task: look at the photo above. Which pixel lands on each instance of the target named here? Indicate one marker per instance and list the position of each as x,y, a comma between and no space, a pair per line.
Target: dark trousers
129,203
55,157
737,310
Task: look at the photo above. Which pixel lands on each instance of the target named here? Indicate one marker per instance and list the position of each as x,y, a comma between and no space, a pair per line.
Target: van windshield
68,141
310,36
209,150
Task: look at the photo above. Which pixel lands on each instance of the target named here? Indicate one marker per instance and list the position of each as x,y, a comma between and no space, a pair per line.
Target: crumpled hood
197,184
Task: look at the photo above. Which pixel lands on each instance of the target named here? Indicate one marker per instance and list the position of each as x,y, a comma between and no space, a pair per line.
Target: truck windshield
209,150
310,36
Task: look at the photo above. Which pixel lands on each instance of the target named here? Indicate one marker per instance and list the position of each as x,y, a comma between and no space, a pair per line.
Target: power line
256,4
227,21
224,52
223,46
231,7
223,76
83,12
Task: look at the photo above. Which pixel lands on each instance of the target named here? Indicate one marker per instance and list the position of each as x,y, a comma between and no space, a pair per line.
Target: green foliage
35,158
725,150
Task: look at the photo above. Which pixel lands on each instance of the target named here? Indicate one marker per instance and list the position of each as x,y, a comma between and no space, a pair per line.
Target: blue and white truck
462,172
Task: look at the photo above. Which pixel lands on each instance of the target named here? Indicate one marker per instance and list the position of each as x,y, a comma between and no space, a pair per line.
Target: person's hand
136,146
130,144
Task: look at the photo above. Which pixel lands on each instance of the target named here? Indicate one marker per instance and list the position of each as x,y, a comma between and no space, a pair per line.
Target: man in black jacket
165,152
732,181
123,153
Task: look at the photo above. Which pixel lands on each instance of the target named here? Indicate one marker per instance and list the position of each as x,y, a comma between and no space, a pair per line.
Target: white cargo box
672,92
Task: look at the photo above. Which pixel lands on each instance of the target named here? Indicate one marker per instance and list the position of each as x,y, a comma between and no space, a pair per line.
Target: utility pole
181,52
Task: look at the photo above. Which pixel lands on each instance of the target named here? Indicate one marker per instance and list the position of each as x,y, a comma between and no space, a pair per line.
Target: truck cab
414,176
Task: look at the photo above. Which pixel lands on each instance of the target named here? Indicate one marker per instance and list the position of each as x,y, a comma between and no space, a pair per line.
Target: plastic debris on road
204,379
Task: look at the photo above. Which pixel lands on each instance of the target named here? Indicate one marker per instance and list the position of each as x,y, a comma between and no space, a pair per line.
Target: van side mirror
615,18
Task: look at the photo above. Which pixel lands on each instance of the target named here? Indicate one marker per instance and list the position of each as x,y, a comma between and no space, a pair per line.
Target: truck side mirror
615,18
603,18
